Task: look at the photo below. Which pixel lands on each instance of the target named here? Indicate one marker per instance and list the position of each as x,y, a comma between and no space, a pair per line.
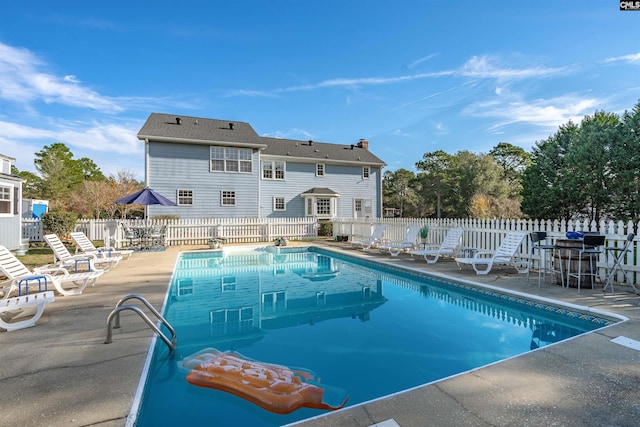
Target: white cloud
294,133
484,67
546,113
421,60
633,58
23,81
98,137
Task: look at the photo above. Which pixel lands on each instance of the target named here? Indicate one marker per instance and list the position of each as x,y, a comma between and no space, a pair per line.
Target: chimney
178,121
231,126
363,143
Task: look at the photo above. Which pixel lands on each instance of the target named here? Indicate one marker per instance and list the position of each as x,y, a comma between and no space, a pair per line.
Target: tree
59,173
544,191
624,160
434,177
398,191
587,163
513,161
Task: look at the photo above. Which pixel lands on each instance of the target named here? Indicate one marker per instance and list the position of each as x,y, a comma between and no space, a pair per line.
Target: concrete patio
61,373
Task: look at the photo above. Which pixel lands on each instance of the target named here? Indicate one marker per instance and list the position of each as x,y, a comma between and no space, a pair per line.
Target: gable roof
197,130
186,129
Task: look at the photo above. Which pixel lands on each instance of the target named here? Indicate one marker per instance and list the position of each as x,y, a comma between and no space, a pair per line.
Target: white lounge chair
483,261
64,282
15,309
374,239
86,246
64,258
394,248
449,247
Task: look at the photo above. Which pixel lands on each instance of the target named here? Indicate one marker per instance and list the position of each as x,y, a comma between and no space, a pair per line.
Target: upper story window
230,159
5,199
185,197
320,169
273,170
365,172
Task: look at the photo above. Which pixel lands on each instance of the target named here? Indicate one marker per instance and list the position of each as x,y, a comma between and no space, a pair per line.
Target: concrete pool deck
60,372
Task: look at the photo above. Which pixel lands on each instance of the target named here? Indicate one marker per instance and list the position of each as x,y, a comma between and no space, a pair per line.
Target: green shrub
59,222
326,228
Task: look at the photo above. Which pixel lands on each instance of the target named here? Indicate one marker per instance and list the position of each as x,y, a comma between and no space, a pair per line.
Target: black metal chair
591,244
545,257
618,253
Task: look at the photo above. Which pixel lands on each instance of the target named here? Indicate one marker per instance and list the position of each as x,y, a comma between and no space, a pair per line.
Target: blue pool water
369,330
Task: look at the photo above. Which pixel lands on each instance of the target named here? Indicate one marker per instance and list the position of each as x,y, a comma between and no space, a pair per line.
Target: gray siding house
10,205
224,169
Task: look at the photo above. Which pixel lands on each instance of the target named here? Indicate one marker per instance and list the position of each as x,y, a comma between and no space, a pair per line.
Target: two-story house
224,169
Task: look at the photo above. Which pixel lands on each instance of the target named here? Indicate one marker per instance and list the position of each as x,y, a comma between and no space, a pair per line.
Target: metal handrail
119,307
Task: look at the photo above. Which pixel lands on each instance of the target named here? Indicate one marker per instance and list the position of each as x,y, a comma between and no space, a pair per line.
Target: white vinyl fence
480,234
191,231
487,235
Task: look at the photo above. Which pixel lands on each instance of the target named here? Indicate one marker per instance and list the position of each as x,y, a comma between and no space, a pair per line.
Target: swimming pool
367,329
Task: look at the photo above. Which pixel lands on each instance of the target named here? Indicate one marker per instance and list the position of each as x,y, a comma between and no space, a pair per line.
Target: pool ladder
115,314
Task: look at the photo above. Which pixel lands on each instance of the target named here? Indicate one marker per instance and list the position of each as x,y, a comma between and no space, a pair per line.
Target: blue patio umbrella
145,197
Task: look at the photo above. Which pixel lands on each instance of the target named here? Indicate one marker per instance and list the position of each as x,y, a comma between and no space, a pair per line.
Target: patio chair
20,277
64,258
373,240
394,248
449,246
588,253
483,261
157,235
17,308
618,253
85,246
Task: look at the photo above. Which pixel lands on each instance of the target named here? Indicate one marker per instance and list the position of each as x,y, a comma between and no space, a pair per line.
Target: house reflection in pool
240,296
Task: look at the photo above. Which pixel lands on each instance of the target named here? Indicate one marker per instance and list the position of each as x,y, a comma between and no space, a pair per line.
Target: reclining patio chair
16,307
64,258
449,247
85,246
20,276
483,261
408,242
373,240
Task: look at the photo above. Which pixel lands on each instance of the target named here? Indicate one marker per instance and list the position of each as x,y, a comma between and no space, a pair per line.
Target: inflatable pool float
275,388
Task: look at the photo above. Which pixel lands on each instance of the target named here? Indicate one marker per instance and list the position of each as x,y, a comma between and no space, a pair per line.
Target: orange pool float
275,388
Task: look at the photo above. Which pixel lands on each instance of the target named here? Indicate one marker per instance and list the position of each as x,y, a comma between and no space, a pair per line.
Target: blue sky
409,76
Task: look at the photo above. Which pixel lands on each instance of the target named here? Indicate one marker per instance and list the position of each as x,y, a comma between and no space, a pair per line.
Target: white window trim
284,202
368,172
311,206
178,197
10,189
235,200
225,159
273,164
324,169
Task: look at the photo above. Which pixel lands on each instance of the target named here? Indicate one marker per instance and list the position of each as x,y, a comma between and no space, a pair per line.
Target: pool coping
469,284
60,372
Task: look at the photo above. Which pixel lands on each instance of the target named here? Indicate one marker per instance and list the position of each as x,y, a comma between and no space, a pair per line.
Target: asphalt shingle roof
165,127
